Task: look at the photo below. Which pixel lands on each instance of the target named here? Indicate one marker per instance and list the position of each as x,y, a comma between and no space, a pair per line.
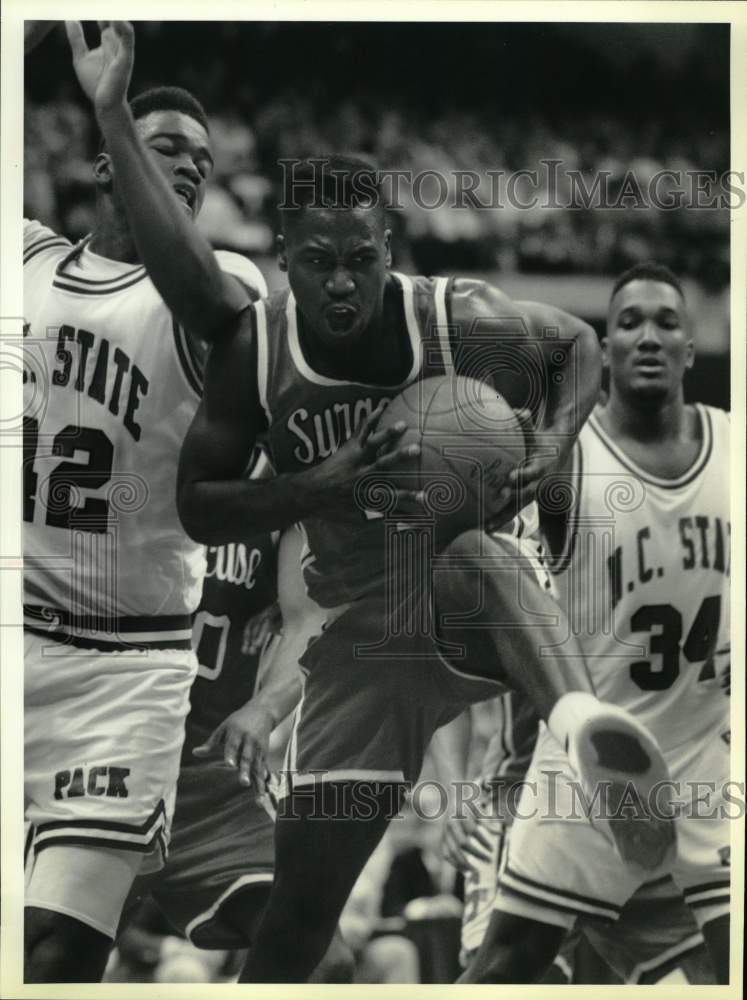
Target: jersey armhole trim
263,357
186,354
46,243
443,327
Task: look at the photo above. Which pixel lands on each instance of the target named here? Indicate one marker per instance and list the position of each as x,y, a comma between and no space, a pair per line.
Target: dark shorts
222,845
378,686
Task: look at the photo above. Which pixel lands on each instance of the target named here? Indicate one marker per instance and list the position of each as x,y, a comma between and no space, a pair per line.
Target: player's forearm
219,512
282,689
179,260
574,366
573,397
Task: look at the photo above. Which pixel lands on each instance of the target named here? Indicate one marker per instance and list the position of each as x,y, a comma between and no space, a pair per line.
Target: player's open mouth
187,195
341,317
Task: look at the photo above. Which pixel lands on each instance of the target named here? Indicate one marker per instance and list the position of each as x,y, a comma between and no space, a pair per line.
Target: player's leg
74,896
654,935
480,883
320,850
716,934
359,737
701,769
99,785
514,950
491,606
337,965
557,867
217,878
61,949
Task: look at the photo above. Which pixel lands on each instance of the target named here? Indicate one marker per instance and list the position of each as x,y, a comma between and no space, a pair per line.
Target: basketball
470,440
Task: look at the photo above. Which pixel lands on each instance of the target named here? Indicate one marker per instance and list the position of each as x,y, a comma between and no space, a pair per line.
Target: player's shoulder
41,241
273,309
715,429
716,415
472,297
242,268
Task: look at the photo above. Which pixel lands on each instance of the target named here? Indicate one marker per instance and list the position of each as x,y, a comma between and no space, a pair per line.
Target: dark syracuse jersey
240,585
310,415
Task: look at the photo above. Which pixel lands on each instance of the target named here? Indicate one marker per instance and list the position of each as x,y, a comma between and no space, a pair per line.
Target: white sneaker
620,765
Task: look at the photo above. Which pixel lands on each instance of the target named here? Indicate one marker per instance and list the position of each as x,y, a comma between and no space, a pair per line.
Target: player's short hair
334,181
648,270
166,99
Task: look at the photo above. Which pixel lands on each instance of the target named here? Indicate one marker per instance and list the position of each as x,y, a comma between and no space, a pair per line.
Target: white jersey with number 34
644,579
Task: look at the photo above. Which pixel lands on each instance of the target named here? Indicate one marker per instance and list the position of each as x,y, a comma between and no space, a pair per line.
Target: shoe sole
620,765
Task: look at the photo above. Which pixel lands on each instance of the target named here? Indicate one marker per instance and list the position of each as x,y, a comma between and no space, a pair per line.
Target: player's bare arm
244,736
572,360
178,258
216,501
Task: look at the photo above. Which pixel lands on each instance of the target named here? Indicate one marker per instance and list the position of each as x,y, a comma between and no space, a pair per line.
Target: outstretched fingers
76,38
385,439
393,457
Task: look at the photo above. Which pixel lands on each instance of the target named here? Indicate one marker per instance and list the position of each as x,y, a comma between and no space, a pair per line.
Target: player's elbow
580,332
591,356
582,350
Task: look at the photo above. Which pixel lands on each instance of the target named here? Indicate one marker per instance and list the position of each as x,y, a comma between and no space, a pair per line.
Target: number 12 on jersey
64,507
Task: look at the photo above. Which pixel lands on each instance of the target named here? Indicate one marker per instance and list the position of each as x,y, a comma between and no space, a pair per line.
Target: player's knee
717,937
452,588
505,964
44,959
470,544
516,950
58,948
338,964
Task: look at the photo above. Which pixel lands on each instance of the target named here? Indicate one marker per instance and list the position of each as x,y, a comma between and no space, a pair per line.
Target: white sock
569,713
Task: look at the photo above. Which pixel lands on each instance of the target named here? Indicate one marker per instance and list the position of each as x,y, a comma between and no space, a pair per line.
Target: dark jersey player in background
219,869
356,335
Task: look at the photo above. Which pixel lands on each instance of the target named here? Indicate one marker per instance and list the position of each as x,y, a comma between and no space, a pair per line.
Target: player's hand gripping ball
470,440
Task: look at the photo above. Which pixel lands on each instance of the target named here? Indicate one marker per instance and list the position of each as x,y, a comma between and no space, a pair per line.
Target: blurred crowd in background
442,98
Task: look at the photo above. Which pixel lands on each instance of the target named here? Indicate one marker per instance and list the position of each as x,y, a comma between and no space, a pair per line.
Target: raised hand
104,72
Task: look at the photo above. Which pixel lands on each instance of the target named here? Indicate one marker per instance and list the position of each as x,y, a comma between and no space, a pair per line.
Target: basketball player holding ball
311,368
